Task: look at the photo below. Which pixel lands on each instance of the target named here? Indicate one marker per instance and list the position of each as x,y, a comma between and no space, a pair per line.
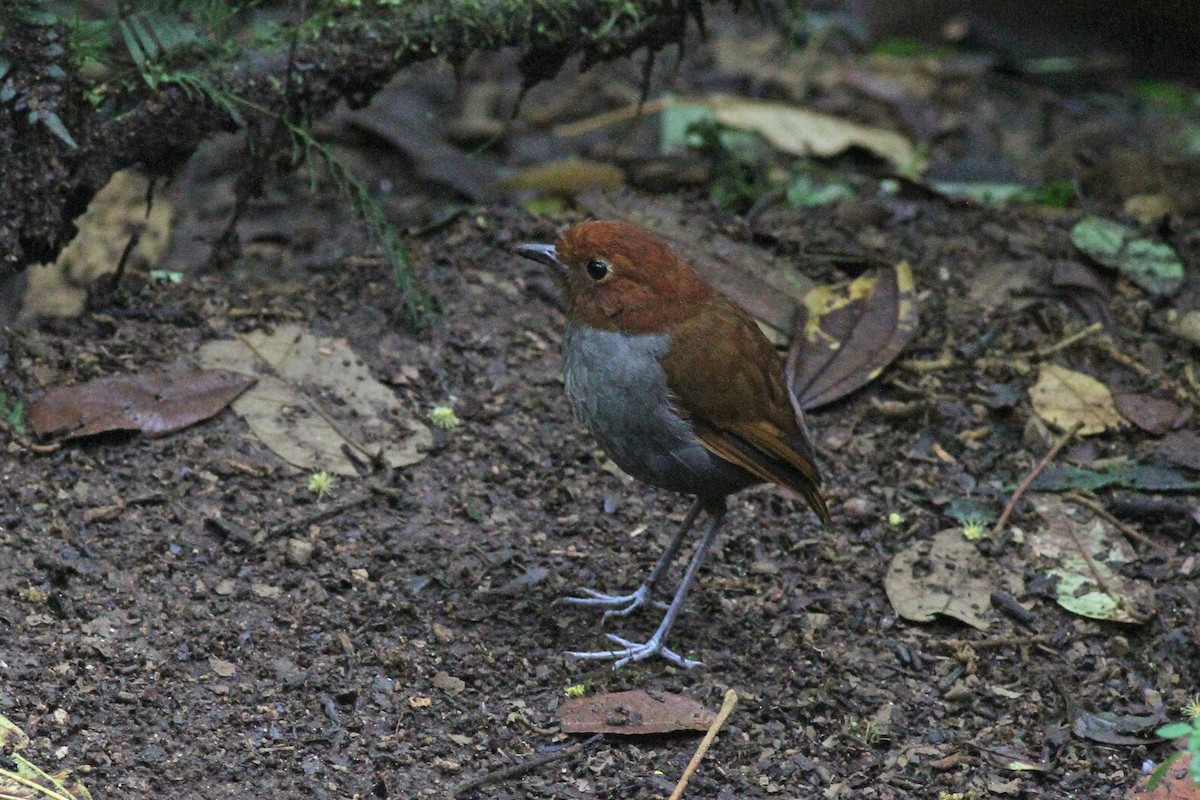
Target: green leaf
675,131
964,510
55,124
1127,475
1151,265
1174,730
1160,771
803,192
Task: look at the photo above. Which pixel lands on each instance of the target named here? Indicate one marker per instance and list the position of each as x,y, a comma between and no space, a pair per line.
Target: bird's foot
636,651
617,605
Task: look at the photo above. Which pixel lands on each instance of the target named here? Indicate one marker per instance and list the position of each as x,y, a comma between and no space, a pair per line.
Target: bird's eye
597,270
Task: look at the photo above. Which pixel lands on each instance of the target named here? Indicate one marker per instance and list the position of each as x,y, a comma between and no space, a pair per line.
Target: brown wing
743,415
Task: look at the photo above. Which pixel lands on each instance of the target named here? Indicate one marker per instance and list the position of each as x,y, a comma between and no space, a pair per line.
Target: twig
1094,505
1033,473
1066,342
319,515
727,705
527,765
632,111
1182,393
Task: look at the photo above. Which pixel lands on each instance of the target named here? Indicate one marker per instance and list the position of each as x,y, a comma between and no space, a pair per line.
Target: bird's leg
656,644
621,605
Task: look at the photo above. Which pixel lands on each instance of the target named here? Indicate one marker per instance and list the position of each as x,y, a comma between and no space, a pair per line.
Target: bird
681,390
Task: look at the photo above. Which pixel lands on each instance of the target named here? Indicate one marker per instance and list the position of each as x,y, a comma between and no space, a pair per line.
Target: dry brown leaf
1065,398
633,713
155,404
316,397
1152,414
846,334
945,575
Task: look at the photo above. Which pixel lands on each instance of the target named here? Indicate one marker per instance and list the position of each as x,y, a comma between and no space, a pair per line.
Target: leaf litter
847,333
153,403
315,397
945,576
1065,398
1084,552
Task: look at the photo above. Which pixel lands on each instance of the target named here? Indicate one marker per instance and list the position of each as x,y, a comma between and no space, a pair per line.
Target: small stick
1094,505
1033,473
727,705
527,765
607,118
1164,382
319,515
1066,342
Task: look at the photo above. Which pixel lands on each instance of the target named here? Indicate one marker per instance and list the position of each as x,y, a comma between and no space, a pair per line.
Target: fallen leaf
802,132
1151,265
153,403
1128,475
565,177
1182,448
1106,727
1152,414
847,333
633,713
224,669
945,575
1082,551
314,398
1065,398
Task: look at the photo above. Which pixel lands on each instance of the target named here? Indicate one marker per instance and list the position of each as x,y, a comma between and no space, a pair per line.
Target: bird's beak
543,254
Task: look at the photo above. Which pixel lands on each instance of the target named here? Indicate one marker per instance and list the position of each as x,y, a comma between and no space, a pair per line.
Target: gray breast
619,390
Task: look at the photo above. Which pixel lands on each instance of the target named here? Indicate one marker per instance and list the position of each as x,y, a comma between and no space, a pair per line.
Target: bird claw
637,651
617,605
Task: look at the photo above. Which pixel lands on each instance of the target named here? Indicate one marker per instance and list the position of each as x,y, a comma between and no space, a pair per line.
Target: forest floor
184,617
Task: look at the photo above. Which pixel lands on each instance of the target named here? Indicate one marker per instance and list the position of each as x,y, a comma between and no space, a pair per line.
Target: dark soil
163,637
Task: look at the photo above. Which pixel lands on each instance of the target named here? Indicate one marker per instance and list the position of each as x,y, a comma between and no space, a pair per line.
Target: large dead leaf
315,397
945,575
1066,398
154,403
802,132
1082,551
846,334
1108,727
634,713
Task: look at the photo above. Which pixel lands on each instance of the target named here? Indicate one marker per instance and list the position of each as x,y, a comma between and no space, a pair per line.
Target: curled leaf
847,333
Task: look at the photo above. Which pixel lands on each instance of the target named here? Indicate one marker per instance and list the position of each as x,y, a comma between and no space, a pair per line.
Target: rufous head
617,276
